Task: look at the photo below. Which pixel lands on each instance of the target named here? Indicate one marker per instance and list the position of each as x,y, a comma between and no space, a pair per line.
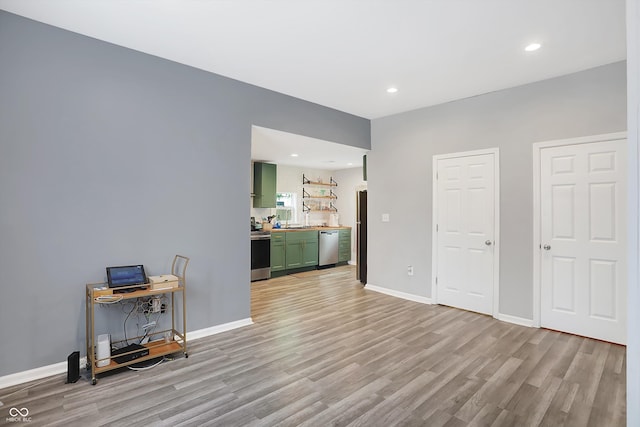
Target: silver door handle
487,242
546,247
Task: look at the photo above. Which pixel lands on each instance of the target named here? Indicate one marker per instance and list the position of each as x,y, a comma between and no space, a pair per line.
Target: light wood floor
324,351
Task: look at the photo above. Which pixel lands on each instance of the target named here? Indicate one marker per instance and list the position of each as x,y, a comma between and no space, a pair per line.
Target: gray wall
400,171
109,157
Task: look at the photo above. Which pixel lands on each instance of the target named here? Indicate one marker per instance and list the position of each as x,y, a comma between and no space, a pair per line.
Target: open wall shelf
314,194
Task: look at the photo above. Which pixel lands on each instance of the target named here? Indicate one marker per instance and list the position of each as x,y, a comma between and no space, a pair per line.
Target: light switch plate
385,217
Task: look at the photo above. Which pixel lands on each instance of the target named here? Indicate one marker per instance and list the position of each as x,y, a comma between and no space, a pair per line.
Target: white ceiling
345,53
273,146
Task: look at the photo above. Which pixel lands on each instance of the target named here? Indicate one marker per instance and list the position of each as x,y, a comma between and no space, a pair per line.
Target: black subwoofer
73,367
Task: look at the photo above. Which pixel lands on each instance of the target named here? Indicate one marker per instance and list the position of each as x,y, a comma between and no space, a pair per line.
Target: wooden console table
157,347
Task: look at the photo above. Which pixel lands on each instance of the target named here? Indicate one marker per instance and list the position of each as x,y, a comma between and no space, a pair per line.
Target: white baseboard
425,300
33,374
201,333
398,294
61,368
515,320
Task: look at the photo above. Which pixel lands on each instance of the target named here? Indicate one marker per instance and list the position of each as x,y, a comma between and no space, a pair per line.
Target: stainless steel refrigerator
361,236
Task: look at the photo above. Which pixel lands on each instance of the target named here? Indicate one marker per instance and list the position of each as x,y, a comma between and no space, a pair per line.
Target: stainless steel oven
260,255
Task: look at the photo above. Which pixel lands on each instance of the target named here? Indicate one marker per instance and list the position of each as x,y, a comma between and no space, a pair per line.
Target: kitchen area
303,215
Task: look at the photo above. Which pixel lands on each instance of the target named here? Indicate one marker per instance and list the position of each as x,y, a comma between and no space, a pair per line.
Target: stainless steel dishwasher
328,248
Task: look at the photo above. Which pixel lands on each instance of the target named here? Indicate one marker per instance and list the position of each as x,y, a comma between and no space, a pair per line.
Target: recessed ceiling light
349,164
532,47
392,90
294,155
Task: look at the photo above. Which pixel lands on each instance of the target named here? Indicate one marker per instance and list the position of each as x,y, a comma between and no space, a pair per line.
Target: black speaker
73,367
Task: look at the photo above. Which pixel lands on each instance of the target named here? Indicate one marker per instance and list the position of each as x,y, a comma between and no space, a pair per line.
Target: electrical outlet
410,270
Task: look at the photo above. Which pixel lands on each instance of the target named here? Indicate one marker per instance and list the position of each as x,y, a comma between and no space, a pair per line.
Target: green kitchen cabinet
301,249
293,255
278,256
310,250
344,245
264,185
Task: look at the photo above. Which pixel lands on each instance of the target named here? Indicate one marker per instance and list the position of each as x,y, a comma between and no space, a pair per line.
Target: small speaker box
103,350
73,367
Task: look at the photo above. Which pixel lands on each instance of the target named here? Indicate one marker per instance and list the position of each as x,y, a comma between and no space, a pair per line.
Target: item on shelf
104,350
333,219
164,281
125,278
129,353
102,291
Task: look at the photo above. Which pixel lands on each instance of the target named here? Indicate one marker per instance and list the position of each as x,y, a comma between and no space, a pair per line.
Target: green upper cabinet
264,185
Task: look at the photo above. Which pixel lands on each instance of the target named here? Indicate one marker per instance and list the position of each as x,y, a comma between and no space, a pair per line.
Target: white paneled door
583,239
465,212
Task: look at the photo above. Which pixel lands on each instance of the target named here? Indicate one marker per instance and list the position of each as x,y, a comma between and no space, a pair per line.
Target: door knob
487,242
547,247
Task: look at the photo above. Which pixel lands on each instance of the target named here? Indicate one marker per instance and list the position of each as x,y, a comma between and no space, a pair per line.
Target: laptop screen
126,276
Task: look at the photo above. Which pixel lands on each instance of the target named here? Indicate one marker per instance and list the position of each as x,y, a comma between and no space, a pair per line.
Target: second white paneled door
465,211
583,239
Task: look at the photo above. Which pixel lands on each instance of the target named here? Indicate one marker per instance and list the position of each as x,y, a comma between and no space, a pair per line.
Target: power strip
108,299
149,325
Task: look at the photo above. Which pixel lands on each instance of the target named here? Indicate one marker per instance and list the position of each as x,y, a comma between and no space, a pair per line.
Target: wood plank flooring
324,351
